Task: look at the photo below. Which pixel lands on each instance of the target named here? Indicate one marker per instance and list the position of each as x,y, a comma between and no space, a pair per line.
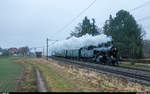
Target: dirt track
40,82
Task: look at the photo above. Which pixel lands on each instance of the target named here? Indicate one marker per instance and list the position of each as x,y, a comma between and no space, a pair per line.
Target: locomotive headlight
112,57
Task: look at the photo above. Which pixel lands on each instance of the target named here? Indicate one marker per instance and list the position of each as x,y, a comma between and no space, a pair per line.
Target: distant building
1,53
12,51
23,51
146,48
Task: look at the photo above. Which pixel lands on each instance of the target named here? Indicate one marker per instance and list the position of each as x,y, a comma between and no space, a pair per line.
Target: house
1,53
23,51
12,51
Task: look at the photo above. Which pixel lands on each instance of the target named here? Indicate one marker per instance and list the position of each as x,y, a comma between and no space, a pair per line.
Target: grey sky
30,22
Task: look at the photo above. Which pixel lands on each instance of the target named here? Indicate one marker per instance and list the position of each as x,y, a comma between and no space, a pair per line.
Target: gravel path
40,82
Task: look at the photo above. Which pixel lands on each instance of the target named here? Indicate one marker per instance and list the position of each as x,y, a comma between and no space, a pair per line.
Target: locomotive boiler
102,54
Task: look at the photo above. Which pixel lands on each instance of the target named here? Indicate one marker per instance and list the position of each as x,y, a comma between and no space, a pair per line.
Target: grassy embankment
9,73
146,60
133,65
66,78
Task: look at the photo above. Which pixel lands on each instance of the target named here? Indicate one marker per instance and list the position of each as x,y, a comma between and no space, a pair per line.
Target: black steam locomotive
104,54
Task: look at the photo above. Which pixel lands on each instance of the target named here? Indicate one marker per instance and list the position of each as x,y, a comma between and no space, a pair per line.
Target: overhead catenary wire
144,18
35,48
140,6
63,28
77,16
52,43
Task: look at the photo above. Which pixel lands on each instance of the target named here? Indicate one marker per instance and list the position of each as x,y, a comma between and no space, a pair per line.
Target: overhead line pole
47,48
43,50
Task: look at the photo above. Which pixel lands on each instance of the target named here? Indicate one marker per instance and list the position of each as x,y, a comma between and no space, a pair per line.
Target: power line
145,18
52,43
77,16
140,6
36,47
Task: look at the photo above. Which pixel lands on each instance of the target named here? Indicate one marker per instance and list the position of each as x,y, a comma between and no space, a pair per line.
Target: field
66,78
9,73
18,74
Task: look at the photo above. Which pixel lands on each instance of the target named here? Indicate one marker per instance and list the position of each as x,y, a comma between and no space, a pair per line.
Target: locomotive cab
114,55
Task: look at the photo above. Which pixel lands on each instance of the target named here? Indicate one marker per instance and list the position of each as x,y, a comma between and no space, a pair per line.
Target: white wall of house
1,53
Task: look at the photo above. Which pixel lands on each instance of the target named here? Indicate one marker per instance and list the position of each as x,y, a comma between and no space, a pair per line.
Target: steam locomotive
105,53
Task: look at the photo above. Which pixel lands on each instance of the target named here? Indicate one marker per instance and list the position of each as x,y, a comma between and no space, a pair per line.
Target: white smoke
76,43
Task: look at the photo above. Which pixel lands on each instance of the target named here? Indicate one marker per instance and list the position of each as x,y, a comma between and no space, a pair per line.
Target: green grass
135,66
9,73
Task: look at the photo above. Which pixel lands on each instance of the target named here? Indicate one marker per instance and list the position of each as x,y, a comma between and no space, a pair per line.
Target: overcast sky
30,22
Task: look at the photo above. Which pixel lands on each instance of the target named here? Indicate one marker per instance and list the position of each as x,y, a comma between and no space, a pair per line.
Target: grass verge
28,79
135,66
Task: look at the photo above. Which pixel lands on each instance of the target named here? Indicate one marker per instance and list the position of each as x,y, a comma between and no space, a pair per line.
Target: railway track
133,74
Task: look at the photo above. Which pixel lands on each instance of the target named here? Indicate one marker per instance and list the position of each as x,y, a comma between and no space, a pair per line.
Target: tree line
127,35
